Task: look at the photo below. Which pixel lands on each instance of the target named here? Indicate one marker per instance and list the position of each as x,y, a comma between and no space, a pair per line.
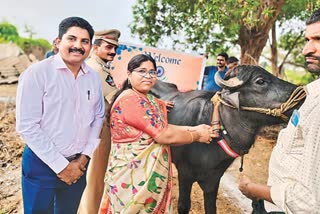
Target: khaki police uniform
91,198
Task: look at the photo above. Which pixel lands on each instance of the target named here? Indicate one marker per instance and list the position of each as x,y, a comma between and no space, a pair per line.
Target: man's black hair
75,22
315,17
97,42
232,59
225,55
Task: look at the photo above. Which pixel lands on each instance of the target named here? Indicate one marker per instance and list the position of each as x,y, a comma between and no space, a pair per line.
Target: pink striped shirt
57,114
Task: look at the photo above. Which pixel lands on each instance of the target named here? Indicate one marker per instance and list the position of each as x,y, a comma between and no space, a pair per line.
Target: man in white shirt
294,169
59,114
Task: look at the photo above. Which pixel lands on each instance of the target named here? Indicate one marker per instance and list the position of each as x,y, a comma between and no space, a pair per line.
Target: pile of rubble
12,62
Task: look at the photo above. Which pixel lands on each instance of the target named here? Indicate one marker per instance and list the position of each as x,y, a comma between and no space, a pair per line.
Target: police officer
104,51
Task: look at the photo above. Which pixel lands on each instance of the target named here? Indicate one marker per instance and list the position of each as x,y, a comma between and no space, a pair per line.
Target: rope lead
241,163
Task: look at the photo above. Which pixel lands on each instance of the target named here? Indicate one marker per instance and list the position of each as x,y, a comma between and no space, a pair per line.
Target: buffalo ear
232,98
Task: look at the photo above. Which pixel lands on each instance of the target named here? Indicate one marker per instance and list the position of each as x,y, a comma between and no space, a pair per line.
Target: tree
291,40
29,30
214,25
8,32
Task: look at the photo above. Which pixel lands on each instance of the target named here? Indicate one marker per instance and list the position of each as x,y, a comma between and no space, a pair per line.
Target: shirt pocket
291,139
88,107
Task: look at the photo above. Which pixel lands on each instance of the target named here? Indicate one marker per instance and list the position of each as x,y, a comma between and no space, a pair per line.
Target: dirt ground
11,146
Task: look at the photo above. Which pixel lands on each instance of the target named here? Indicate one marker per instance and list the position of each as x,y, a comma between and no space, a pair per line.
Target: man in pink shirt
59,114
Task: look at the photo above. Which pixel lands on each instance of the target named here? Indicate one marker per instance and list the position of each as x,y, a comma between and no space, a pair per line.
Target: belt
73,157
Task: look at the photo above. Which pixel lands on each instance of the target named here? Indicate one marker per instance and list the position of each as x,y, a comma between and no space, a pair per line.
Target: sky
44,16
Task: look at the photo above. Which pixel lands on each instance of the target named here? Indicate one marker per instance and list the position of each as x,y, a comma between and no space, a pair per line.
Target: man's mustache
310,55
111,55
80,50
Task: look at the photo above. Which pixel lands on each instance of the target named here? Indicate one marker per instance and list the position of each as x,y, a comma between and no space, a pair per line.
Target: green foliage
28,29
209,25
292,37
293,42
9,33
298,9
26,44
43,43
197,21
2,40
299,78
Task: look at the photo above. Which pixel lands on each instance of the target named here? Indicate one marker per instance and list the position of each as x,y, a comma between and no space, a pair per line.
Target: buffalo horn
230,83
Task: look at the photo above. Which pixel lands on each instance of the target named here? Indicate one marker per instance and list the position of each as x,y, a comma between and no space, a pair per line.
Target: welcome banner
184,70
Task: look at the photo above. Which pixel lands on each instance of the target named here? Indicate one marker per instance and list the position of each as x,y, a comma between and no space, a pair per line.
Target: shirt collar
313,88
105,66
61,65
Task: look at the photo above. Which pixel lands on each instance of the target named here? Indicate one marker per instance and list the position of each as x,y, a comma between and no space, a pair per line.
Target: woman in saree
139,173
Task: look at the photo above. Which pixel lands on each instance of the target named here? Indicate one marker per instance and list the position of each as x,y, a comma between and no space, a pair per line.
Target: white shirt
57,114
294,170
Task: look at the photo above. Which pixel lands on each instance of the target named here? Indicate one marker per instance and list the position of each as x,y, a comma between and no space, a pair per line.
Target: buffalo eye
260,81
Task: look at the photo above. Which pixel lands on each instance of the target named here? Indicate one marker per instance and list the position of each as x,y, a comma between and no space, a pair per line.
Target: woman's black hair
134,63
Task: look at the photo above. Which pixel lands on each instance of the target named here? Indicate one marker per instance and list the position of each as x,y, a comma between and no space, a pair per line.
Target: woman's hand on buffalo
169,105
205,133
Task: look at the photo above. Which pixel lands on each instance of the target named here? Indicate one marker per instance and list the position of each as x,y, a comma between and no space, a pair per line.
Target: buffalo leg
184,202
210,202
210,191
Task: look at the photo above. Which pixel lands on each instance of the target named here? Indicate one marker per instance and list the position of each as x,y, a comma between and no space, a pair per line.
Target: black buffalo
245,85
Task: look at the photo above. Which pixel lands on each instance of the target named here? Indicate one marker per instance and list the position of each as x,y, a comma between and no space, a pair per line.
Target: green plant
9,33
299,78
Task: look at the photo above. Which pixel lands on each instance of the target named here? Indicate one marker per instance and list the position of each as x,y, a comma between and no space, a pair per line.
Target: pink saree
139,174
